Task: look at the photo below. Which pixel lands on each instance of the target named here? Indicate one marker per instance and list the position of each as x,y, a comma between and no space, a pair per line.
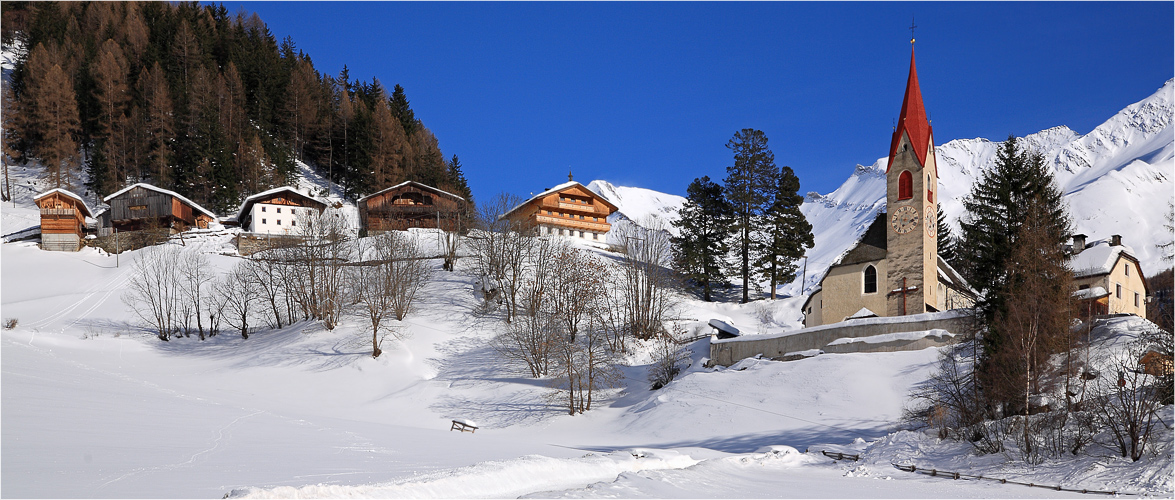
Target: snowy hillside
638,204
1117,179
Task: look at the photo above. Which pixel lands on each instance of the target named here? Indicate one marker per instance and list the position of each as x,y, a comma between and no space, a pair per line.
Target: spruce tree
704,224
786,233
946,239
996,209
747,186
457,179
402,111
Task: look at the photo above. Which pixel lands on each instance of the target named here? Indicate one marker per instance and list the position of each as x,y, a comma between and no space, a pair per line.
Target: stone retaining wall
726,352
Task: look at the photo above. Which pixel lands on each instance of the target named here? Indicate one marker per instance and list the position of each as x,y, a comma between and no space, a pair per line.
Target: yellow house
1108,276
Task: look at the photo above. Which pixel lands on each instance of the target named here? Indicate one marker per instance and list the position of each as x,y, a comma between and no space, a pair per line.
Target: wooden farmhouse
276,211
569,209
143,206
63,220
1108,276
410,204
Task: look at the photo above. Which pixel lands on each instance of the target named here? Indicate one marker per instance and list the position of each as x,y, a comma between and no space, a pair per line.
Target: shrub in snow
669,358
10,323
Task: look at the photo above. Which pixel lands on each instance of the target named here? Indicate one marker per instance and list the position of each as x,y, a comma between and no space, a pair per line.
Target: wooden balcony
59,211
576,207
599,227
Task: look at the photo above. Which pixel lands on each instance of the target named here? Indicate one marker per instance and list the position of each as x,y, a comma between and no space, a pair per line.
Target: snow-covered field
93,405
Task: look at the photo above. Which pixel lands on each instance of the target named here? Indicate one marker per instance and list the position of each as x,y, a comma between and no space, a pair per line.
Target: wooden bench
463,425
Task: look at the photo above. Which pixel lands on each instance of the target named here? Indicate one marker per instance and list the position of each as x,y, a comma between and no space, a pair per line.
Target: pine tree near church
946,239
786,233
748,186
990,232
704,224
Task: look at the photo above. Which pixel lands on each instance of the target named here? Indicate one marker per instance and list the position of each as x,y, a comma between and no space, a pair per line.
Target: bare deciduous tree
668,358
500,250
646,281
196,276
529,340
155,289
1126,400
238,292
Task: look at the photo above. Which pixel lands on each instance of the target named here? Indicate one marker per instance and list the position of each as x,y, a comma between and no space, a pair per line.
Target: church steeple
912,122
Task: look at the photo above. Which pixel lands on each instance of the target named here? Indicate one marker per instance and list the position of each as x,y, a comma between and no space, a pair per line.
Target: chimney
1078,243
1116,240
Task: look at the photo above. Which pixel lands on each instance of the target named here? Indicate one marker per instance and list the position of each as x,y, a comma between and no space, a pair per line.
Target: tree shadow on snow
287,346
800,439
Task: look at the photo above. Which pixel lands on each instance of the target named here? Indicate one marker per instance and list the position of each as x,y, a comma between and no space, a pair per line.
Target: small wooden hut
63,220
410,204
143,206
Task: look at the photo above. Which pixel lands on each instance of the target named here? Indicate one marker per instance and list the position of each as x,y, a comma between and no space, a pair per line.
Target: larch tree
747,185
113,94
159,122
996,208
57,117
786,233
704,227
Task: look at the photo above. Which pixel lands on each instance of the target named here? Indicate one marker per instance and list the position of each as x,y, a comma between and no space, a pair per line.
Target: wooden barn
569,209
63,220
143,206
410,204
276,211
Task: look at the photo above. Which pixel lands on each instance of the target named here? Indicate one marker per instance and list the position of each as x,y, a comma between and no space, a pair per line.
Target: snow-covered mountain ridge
1117,179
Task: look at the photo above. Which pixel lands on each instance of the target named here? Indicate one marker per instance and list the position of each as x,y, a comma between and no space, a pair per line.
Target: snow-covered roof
952,277
160,190
1098,257
863,313
556,189
405,183
253,199
71,194
1096,292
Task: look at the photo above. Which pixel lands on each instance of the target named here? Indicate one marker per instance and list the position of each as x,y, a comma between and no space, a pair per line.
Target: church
894,269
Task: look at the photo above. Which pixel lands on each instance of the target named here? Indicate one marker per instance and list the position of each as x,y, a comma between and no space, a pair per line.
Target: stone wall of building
59,242
729,351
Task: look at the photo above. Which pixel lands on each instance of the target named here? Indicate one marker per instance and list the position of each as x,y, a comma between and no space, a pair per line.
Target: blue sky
648,94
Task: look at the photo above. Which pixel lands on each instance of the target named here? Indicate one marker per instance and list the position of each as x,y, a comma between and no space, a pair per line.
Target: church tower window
905,186
870,279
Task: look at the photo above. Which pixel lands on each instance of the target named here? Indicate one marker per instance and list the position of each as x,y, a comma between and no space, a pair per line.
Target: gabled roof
1100,257
68,194
912,121
414,183
244,209
556,189
160,190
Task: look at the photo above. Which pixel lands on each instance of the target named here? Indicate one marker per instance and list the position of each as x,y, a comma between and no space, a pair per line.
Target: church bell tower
911,197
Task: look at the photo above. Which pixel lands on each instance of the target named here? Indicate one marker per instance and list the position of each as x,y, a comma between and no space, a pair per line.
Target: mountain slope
1117,179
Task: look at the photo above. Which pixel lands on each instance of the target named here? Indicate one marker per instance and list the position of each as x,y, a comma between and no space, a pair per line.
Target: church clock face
931,222
904,220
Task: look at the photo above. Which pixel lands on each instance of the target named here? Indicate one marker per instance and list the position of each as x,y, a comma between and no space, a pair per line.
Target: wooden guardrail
958,475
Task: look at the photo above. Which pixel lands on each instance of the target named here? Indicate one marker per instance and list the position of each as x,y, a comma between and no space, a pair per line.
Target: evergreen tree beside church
785,232
704,224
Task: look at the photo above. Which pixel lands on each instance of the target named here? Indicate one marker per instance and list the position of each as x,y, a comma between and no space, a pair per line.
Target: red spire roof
912,121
